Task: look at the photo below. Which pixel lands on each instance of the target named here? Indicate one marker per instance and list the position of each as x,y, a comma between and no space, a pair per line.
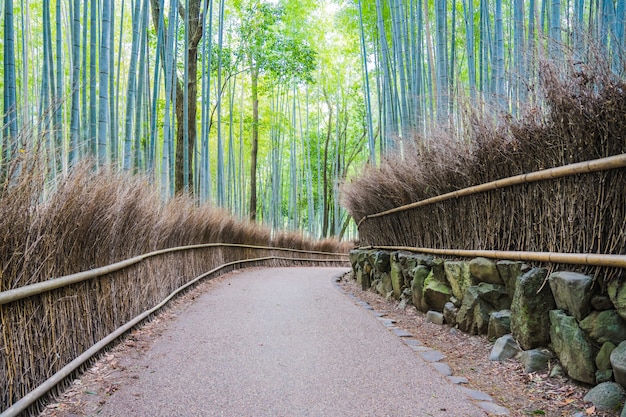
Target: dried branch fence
573,214
53,328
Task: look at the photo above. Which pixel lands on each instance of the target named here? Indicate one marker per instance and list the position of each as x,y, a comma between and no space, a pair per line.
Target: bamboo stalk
618,261
26,401
13,295
602,164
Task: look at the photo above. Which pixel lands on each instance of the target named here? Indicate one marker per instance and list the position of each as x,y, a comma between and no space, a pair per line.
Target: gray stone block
434,317
505,348
606,396
572,292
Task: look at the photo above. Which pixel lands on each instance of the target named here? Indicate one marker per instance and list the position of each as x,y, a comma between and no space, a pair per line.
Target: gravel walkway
284,342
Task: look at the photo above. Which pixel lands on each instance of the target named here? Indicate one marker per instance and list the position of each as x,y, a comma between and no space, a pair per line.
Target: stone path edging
431,356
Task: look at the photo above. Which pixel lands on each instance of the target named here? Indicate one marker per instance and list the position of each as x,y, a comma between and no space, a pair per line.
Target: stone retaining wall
530,315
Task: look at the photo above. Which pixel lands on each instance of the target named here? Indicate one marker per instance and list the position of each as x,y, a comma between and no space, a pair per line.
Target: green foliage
290,59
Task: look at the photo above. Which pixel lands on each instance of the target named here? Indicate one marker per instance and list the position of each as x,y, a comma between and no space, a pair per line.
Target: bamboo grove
265,107
432,58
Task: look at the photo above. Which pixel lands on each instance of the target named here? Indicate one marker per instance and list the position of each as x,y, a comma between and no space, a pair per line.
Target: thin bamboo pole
590,259
596,165
26,401
13,295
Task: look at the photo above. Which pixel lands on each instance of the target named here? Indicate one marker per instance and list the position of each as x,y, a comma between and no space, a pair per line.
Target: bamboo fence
602,164
53,328
616,261
573,214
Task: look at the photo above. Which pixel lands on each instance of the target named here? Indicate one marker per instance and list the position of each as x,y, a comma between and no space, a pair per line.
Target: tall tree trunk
47,87
452,62
485,47
519,91
293,168
431,75
389,124
619,47
84,125
103,110
130,96
555,27
186,146
196,26
205,169
10,100
499,35
59,127
231,183
468,8
368,105
158,20
25,105
196,31
113,93
400,52
255,140
442,64
138,157
325,189
93,44
75,114
220,139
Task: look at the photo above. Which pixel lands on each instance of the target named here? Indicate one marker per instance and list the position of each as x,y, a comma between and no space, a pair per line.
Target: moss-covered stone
379,260
617,292
449,313
603,358
530,310
605,326
574,351
397,276
473,315
417,287
485,270
358,274
535,360
385,279
436,292
618,363
499,324
572,292
494,295
607,396
439,272
604,376
409,262
459,277
601,302
509,272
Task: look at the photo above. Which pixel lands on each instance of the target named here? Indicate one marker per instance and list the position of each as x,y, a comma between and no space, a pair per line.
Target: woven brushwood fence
553,176
574,209
43,329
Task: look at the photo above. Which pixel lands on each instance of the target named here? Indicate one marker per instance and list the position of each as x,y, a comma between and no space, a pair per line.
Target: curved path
284,342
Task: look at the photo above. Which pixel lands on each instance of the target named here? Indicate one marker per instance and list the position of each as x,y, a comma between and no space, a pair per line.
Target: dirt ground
523,394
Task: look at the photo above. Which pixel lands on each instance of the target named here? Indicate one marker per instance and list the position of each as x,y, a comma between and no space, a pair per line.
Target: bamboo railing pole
54,283
602,164
618,261
21,405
